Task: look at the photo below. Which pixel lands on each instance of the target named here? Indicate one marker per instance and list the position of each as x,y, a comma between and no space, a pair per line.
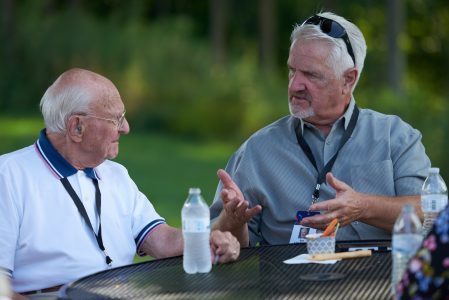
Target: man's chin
112,154
301,113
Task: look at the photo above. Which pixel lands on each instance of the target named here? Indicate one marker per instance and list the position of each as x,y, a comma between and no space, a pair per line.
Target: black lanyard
65,182
305,147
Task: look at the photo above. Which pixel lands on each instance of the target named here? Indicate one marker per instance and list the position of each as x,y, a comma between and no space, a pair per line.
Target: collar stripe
47,162
56,163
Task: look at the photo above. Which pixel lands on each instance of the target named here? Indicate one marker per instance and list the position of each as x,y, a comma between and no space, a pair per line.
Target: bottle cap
434,170
407,207
194,191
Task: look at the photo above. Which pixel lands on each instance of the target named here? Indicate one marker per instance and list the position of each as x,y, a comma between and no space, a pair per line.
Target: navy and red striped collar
55,162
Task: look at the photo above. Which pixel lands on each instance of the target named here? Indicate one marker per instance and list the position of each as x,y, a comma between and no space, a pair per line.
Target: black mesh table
258,274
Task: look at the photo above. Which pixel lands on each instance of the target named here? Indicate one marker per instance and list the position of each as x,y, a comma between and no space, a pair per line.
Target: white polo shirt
44,241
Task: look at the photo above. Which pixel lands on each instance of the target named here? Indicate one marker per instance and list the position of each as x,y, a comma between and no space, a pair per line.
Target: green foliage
161,62
165,74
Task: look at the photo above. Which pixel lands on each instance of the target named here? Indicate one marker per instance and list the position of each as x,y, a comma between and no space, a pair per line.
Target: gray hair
339,59
68,95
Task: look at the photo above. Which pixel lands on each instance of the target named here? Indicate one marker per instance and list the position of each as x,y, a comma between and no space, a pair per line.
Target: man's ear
350,77
75,128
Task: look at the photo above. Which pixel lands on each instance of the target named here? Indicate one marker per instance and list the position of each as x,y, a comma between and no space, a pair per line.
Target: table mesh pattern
259,274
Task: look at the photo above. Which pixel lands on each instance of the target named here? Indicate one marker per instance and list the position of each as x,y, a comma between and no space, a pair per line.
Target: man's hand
236,209
224,247
236,212
347,206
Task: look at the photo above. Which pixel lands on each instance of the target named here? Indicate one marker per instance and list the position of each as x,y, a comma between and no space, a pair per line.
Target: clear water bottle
433,198
407,238
5,288
196,232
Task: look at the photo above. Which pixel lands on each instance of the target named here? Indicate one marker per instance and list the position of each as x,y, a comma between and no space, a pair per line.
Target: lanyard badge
299,232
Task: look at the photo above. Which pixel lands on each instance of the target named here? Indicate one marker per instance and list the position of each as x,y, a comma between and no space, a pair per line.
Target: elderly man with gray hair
329,159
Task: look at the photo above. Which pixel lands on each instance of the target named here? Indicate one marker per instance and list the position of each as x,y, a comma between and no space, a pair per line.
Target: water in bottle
433,198
5,288
196,232
407,238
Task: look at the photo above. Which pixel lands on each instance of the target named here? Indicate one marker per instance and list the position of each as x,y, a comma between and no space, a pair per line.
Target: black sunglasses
332,29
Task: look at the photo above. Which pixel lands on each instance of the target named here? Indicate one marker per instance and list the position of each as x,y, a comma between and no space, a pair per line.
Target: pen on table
341,255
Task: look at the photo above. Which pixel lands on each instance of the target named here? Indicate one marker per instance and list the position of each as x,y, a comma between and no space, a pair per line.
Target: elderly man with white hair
66,209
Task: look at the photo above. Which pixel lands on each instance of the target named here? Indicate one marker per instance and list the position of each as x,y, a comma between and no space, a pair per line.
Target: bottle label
433,202
407,244
196,225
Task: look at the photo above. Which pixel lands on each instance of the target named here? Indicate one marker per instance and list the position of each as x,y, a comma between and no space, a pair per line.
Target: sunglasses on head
333,29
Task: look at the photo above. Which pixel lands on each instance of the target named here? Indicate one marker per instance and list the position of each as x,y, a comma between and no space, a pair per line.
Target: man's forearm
164,241
383,211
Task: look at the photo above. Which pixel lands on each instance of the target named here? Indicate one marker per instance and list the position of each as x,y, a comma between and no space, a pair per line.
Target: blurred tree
7,34
160,53
7,50
396,55
218,14
268,39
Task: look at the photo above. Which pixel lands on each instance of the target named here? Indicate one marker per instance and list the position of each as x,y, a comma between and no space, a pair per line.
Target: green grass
163,167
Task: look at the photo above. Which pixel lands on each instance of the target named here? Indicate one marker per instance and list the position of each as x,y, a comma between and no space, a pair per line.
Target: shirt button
328,142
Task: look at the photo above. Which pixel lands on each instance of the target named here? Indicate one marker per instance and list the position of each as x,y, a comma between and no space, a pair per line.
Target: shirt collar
346,116
58,164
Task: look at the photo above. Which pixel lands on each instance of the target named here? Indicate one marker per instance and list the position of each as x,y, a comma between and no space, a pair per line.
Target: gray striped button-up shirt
384,156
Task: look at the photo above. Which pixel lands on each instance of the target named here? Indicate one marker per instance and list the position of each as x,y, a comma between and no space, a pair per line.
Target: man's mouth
298,100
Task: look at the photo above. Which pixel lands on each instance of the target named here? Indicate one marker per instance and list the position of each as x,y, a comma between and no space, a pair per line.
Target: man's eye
313,75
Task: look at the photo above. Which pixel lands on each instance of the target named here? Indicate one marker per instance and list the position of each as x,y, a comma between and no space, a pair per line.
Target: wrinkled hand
236,210
347,206
224,246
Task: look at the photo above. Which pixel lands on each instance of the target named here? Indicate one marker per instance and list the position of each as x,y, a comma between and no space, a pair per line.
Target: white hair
339,59
68,95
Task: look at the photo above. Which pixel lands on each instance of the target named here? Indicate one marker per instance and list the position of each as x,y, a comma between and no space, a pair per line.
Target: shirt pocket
374,178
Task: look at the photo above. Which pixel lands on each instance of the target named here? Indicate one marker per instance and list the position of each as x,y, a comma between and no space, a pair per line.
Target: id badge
299,232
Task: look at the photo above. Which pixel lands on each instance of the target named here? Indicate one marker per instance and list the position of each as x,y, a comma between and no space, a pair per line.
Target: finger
228,195
227,180
233,204
231,253
250,213
227,247
320,220
241,208
338,185
327,205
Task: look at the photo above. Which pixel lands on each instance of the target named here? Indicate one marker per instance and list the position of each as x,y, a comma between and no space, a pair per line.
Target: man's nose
125,128
296,82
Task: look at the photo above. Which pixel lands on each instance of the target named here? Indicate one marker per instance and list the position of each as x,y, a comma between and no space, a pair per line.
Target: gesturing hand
236,208
347,206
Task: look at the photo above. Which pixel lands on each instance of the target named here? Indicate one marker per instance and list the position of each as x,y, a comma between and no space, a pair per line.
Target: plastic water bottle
407,238
196,232
5,288
433,198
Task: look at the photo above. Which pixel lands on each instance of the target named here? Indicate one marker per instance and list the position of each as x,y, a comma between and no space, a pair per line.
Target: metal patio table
258,274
